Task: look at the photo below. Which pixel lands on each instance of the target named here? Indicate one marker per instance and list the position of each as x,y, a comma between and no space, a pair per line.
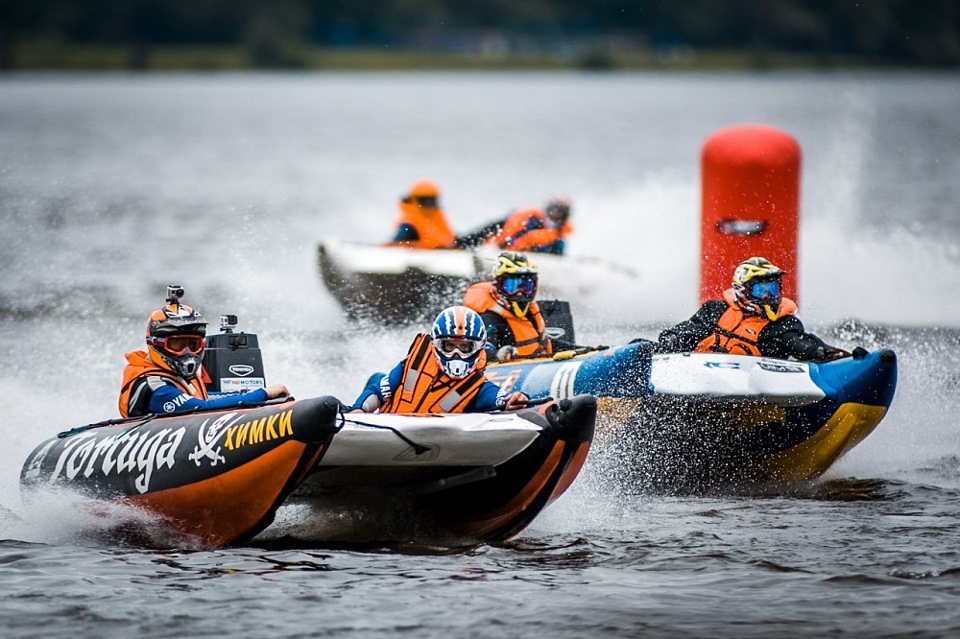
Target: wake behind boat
218,478
395,282
694,420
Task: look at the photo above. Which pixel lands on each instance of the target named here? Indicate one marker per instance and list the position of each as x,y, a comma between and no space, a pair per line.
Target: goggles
457,346
178,344
765,290
427,202
518,285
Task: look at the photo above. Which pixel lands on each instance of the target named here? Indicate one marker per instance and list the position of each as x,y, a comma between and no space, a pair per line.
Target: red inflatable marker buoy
750,204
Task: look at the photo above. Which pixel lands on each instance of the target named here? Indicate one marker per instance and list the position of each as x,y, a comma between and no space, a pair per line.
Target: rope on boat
418,449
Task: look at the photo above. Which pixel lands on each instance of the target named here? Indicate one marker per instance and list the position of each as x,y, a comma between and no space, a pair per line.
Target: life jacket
426,388
139,368
526,230
529,337
433,229
737,332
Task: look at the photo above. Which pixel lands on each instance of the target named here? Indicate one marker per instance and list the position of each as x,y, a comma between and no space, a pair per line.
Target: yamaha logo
241,369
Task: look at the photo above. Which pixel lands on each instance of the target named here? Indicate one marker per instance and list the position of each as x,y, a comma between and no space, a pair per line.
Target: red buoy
750,204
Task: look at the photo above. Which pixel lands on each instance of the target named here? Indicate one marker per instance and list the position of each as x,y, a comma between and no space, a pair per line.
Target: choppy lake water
112,186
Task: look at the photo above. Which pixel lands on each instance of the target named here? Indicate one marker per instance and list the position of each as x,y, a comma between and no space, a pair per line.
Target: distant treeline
883,32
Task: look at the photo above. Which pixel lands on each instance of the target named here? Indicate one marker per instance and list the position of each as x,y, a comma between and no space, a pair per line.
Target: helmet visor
518,285
427,201
178,344
765,290
462,347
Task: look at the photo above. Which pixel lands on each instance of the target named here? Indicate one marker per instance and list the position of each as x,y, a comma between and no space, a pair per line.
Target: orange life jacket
140,367
516,235
528,332
425,388
737,332
432,228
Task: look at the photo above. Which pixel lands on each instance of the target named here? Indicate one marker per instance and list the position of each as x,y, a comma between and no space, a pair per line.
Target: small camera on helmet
228,323
174,293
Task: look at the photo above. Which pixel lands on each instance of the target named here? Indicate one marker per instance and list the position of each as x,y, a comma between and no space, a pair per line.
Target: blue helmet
458,339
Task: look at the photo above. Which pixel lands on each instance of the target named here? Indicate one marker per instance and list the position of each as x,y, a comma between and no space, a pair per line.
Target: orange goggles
177,344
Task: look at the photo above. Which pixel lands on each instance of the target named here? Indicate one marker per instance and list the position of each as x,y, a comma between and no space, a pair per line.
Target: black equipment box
233,361
558,319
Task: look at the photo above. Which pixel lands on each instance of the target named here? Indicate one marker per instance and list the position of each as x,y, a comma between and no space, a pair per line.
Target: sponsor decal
781,367
741,227
554,332
207,437
505,382
176,402
561,386
261,430
241,384
132,452
729,365
140,453
241,369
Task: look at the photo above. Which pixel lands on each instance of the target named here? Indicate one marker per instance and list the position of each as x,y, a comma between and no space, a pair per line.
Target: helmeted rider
530,229
422,222
536,230
443,372
507,304
168,376
752,318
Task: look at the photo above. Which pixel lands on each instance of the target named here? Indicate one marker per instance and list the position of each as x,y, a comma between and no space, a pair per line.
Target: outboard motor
557,319
232,360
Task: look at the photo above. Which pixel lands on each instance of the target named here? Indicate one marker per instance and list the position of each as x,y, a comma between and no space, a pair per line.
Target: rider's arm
379,390
787,339
685,336
406,233
170,399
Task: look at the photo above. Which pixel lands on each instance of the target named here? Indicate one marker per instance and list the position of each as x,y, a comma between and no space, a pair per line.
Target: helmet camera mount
174,293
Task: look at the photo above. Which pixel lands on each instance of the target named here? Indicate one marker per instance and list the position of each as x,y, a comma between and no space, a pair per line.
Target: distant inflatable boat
396,282
692,420
218,478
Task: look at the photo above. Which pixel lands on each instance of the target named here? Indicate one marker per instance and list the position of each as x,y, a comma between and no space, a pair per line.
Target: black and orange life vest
737,332
528,332
139,368
433,229
426,388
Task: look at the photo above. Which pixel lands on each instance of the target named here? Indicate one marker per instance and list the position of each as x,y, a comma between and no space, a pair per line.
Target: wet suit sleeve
787,339
685,336
406,233
380,385
170,399
488,398
481,235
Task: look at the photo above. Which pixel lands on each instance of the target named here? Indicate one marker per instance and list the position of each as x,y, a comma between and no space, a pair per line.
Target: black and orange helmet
175,336
425,194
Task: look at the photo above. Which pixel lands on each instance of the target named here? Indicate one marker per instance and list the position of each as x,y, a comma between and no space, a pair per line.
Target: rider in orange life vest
442,373
515,326
422,223
752,318
168,376
536,230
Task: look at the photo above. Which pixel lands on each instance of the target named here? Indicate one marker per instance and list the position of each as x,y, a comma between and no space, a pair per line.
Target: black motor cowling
232,360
